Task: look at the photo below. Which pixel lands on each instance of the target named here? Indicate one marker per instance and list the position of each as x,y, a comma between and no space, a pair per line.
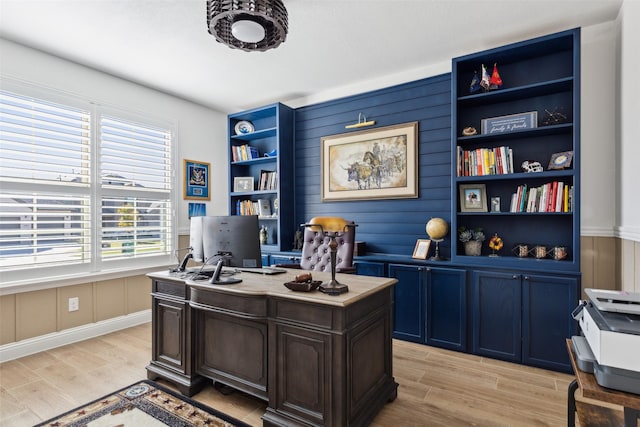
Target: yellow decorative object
328,224
437,228
495,243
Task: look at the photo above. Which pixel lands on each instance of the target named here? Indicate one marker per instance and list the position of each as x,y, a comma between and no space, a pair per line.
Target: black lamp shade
270,14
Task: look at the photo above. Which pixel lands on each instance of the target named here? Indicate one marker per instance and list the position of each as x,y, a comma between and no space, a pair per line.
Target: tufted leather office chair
316,253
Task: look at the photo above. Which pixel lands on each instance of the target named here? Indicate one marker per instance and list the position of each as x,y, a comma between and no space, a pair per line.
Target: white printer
610,345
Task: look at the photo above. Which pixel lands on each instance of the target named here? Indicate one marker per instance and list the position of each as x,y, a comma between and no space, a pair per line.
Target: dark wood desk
592,390
318,360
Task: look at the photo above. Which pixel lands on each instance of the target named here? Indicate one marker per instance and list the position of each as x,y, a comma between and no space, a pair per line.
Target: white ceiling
164,44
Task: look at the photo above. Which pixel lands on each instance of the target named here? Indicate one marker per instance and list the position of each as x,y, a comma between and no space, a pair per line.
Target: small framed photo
495,204
242,184
421,251
561,160
473,198
196,180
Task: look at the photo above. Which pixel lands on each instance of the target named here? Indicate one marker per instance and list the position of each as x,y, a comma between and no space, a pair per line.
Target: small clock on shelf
560,160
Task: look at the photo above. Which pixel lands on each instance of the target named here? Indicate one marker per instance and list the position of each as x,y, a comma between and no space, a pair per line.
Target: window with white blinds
80,188
135,165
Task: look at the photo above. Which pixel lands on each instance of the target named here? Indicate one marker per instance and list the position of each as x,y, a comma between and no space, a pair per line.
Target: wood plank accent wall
387,226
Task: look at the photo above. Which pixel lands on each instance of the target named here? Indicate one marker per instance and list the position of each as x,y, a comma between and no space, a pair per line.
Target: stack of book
553,196
244,152
268,180
262,207
485,161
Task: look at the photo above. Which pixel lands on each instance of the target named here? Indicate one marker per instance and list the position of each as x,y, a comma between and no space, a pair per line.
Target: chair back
316,254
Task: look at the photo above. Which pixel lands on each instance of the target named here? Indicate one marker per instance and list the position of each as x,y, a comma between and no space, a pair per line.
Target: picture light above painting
380,163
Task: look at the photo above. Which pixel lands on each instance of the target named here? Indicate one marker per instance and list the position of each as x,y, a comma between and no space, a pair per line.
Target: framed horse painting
379,163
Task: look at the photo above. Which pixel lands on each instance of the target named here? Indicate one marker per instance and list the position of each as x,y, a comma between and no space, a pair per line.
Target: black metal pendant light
249,25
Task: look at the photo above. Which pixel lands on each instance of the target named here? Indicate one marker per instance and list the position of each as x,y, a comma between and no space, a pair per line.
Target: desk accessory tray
303,286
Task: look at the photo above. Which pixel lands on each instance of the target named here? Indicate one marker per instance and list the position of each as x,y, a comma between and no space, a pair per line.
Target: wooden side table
592,390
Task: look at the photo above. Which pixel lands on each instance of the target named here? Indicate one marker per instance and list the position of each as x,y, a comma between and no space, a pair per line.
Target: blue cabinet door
547,302
496,315
408,310
446,309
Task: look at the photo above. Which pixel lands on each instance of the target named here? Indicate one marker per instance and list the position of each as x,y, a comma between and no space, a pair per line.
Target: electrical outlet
74,304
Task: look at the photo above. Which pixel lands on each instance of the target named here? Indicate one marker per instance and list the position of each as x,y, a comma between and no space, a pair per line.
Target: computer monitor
235,237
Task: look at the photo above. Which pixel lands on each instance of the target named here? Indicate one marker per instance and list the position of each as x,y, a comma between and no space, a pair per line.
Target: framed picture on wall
197,209
379,163
196,180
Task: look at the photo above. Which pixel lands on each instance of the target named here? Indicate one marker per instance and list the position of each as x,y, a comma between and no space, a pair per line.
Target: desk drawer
241,304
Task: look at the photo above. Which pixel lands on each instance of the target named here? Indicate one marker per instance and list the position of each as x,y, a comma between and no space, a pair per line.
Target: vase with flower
472,240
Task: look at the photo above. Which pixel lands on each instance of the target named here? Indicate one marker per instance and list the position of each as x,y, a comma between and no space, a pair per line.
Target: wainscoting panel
387,226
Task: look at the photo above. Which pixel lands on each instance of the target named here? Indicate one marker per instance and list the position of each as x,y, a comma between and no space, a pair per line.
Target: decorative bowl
303,286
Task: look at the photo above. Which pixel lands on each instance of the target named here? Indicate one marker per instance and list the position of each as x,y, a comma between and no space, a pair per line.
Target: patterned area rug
144,404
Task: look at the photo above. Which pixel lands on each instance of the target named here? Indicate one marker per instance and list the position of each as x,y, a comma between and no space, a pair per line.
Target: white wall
200,131
629,222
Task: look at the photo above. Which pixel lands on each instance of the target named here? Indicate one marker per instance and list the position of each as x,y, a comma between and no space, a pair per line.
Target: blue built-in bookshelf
539,76
387,226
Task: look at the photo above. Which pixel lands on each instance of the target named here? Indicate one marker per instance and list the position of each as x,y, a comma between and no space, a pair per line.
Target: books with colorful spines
559,197
565,204
551,205
518,196
252,152
522,200
498,156
486,165
542,206
466,163
514,201
510,160
531,199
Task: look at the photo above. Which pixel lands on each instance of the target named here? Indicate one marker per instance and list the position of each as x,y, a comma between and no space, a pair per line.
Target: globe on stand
437,229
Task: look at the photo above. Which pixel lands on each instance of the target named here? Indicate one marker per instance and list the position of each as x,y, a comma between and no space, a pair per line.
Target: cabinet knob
526,277
515,276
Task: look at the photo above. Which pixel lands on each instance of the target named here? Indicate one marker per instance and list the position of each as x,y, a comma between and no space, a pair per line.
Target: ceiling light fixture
249,25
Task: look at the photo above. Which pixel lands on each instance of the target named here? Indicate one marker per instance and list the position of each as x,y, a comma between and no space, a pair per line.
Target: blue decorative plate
243,127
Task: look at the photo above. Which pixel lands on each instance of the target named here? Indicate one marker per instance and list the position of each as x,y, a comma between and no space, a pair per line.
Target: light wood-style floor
437,387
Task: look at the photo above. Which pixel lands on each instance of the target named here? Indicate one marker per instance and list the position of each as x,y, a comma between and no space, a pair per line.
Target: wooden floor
437,387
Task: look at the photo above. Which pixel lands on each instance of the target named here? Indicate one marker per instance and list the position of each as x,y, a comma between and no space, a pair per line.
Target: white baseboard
29,346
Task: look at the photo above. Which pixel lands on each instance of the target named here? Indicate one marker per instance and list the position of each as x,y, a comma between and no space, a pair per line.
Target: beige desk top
273,285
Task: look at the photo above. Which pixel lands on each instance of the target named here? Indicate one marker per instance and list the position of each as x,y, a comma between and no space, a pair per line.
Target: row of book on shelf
555,196
268,180
261,207
485,161
243,152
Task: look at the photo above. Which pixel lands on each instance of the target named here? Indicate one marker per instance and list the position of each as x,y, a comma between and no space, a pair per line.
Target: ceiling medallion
249,25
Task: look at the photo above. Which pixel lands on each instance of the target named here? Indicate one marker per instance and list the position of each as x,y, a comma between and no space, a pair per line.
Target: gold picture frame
380,163
421,251
195,180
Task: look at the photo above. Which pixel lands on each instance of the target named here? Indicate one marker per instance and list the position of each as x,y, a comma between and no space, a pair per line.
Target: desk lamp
332,227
